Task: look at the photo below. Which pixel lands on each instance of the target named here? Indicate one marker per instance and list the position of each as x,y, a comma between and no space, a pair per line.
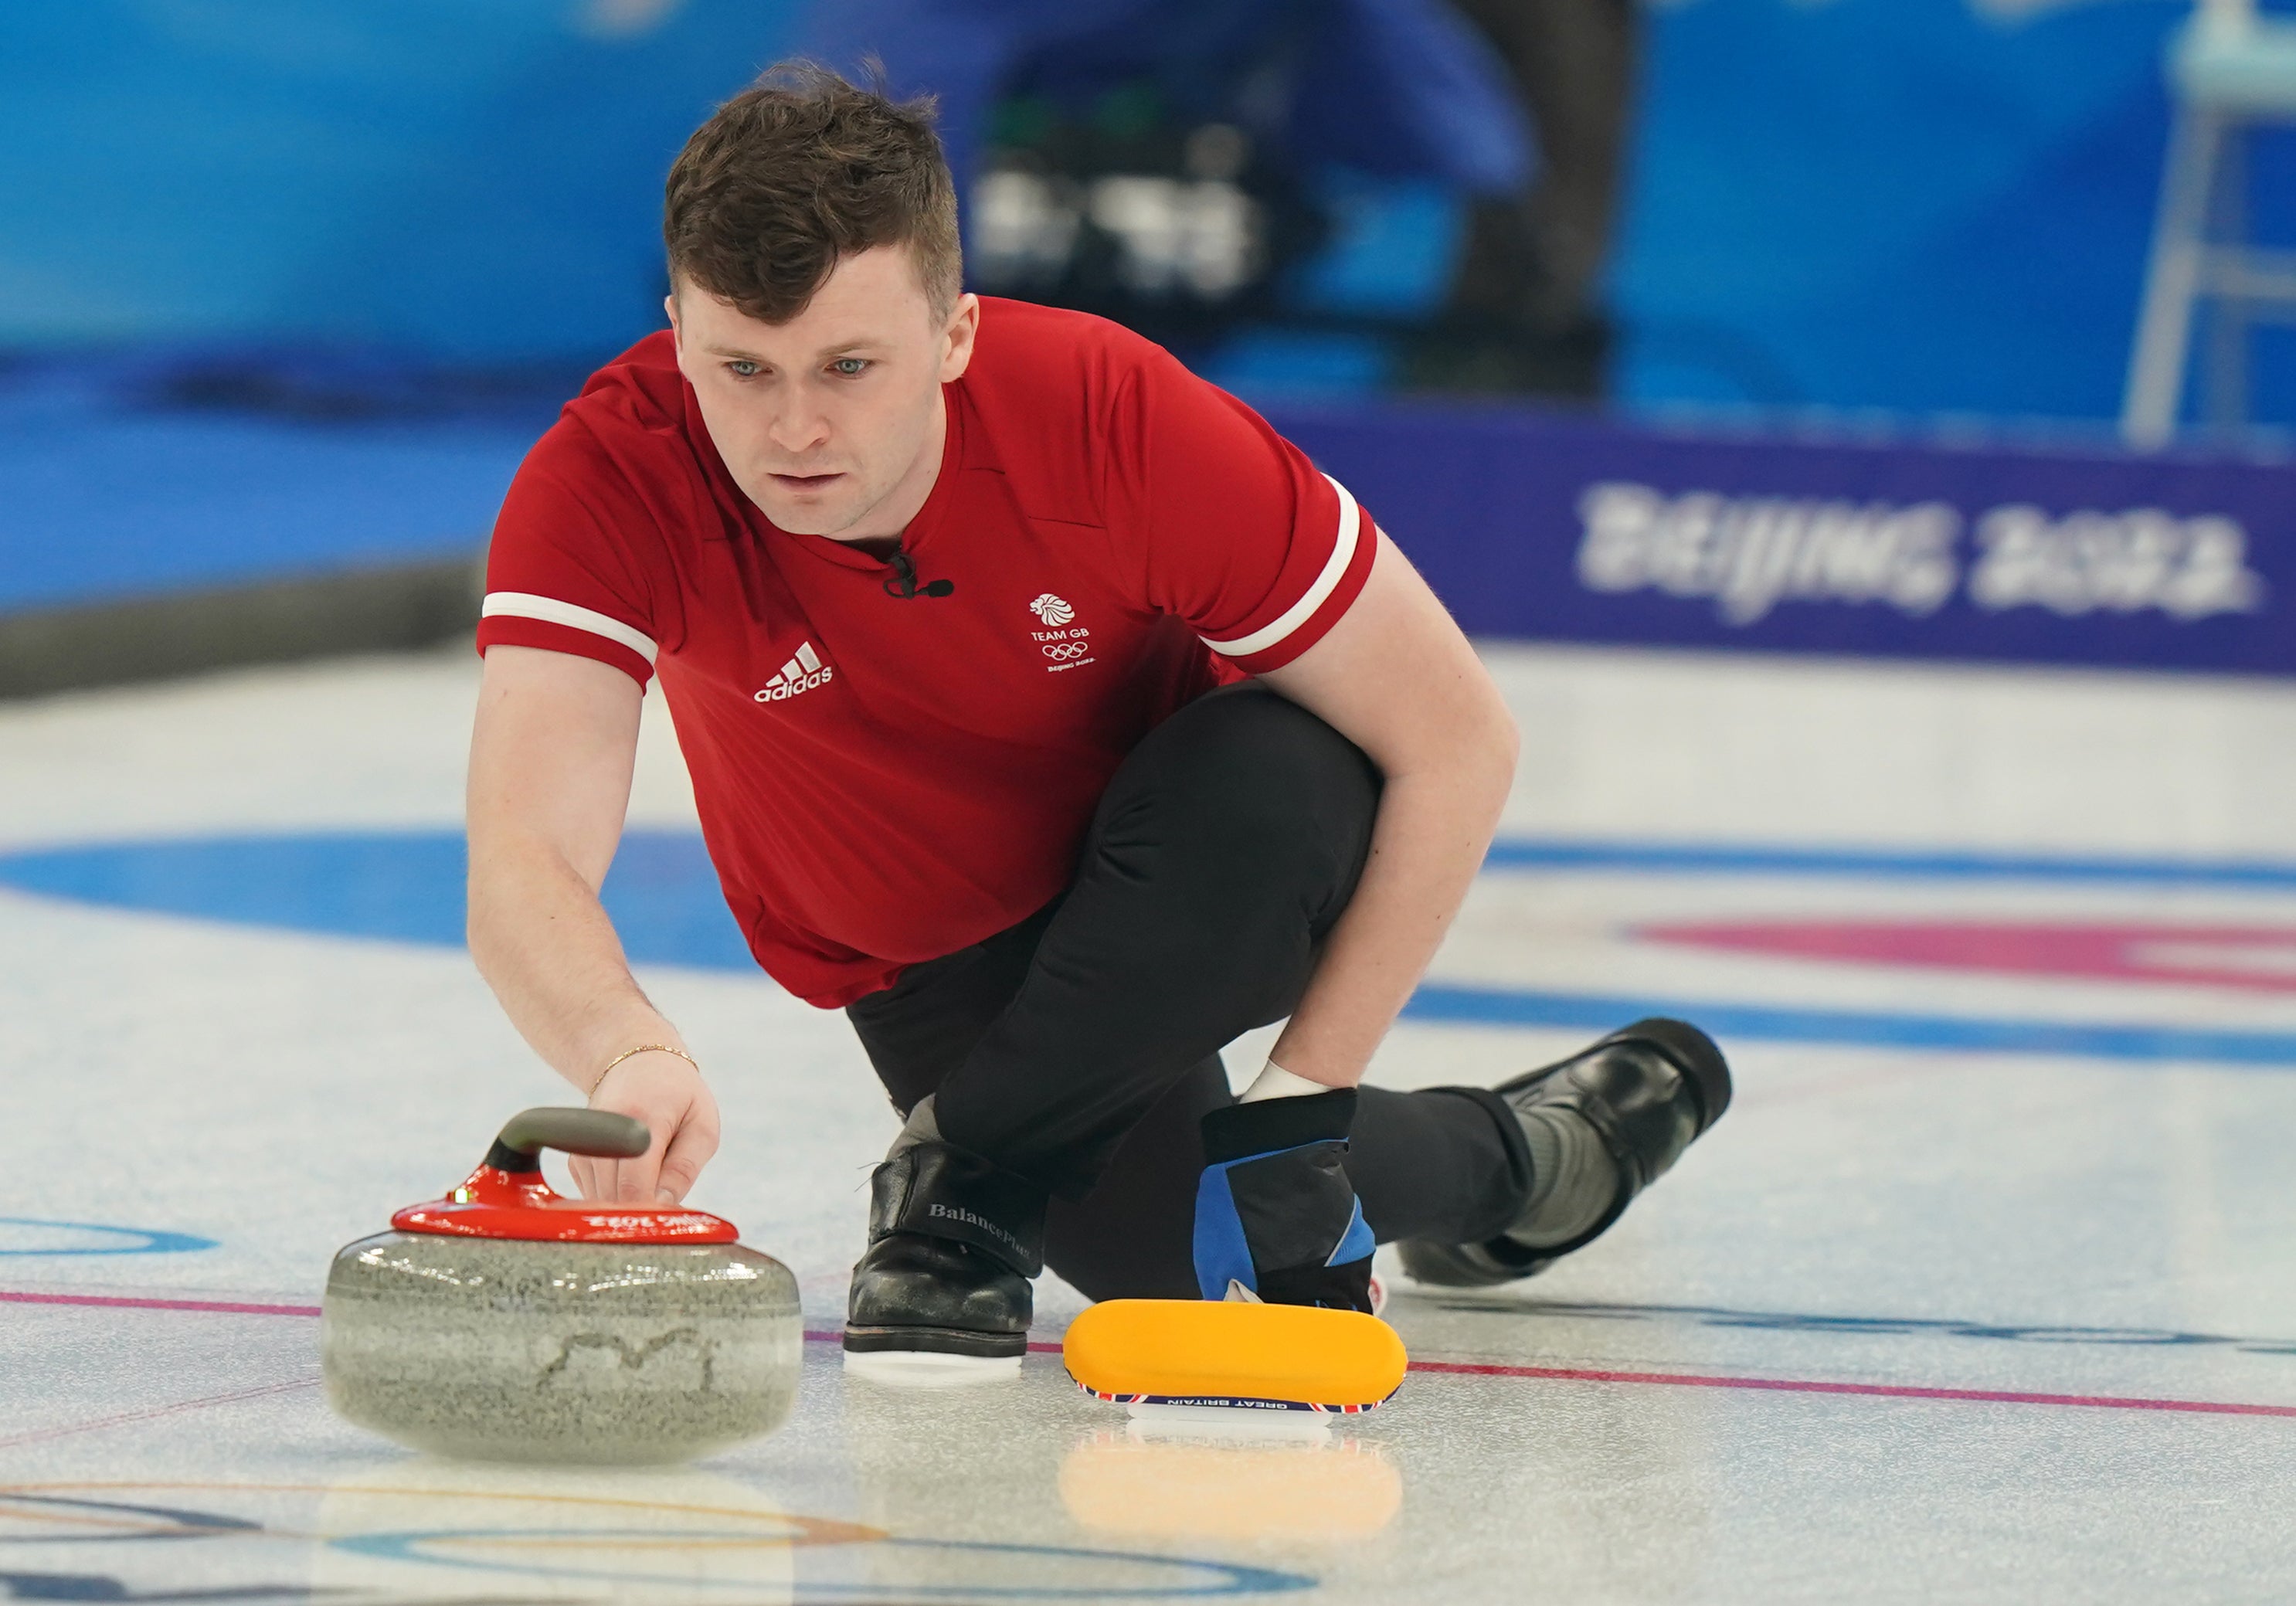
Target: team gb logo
1051,610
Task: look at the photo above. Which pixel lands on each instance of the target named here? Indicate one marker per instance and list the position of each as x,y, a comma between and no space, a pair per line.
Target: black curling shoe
1647,1092
914,1293
953,1239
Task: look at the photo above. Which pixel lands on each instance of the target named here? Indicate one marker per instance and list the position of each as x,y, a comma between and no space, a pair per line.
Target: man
1055,717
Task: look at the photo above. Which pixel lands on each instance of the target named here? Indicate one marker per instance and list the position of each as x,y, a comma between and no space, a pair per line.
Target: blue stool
2229,68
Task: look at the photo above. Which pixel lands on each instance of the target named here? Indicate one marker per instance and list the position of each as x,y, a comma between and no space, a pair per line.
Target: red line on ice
2260,959
220,1307
1999,1396
39,1435
1568,1374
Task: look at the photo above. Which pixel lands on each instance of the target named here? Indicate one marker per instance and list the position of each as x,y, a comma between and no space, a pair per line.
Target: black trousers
1080,1047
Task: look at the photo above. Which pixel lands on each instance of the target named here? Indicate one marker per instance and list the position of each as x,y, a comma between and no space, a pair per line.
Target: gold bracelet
643,1048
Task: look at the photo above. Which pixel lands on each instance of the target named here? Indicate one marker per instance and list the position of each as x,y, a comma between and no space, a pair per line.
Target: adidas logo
802,672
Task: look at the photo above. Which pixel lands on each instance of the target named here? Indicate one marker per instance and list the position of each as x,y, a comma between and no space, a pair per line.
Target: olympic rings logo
1068,649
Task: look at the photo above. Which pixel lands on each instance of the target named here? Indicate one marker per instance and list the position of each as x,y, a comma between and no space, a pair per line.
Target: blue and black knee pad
1276,1211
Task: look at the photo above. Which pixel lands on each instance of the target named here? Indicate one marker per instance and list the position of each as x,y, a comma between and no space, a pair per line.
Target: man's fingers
681,1118
584,1183
689,1151
634,1179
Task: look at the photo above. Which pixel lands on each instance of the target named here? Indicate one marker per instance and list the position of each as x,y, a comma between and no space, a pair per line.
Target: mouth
802,483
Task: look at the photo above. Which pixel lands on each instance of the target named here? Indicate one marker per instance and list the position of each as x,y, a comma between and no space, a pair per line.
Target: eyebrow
828,353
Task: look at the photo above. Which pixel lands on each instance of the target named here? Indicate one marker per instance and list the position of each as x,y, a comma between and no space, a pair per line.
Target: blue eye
850,368
743,368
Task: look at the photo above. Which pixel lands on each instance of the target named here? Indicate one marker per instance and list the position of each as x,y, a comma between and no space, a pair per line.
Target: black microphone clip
904,585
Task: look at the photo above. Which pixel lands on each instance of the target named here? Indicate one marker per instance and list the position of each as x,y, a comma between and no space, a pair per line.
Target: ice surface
1915,1324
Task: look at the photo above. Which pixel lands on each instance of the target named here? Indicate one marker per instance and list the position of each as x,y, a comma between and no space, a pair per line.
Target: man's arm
551,758
1395,677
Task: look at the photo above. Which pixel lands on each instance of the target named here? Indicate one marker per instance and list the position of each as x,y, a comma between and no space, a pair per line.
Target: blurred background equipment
1527,310
1176,189
2233,71
1158,161
1846,292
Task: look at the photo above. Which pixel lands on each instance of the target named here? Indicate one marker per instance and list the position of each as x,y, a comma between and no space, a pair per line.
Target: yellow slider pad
1218,1352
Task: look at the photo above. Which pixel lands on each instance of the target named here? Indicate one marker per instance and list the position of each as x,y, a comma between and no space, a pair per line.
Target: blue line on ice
1781,1023
408,886
1225,1578
139,1240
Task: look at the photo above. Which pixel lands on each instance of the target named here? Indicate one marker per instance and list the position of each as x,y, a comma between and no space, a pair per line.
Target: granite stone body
518,1351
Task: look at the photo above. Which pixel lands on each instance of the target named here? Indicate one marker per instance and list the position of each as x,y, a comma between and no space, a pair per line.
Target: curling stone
508,1323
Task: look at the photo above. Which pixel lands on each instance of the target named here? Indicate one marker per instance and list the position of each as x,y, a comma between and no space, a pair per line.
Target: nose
797,426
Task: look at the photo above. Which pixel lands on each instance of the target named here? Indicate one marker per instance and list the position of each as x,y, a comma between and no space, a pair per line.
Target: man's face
830,422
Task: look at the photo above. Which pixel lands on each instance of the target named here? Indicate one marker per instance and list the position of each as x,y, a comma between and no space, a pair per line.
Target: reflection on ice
1144,1484
1153,1420
426,1528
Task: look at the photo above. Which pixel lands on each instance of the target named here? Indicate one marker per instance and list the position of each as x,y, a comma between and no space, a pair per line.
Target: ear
963,326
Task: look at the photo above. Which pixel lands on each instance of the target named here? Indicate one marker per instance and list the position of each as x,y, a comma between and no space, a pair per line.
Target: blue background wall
477,180
1917,205
1921,205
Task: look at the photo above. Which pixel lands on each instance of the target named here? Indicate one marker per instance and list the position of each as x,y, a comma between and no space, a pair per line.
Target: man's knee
1255,784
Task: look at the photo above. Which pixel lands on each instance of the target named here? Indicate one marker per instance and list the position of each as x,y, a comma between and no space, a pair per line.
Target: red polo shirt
883,780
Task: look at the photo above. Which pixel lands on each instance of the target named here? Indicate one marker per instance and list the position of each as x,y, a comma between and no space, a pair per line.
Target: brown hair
798,171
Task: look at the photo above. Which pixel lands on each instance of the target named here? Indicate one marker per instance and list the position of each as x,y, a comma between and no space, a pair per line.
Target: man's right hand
670,1096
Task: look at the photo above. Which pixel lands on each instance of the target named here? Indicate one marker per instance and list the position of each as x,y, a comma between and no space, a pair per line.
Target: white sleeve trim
526,605
1343,551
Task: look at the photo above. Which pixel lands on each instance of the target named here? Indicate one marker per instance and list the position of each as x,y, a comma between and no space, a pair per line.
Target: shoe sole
936,1340
922,1369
